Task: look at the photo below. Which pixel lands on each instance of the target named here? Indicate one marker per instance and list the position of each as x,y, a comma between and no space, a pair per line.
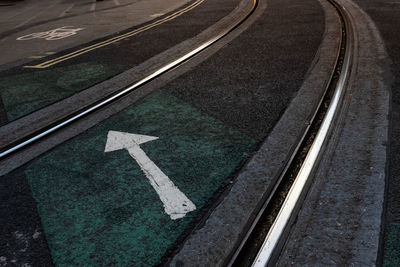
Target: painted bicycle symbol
55,34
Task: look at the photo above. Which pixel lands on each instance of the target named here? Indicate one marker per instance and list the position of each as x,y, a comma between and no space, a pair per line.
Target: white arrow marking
176,204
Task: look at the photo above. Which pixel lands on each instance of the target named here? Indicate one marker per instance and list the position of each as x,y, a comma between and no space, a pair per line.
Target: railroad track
280,209
43,132
292,185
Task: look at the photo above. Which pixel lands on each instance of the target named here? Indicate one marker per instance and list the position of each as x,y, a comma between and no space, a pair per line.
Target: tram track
311,143
268,232
39,134
297,175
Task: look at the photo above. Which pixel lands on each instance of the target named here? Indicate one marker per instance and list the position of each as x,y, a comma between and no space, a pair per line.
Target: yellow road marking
156,15
114,39
36,57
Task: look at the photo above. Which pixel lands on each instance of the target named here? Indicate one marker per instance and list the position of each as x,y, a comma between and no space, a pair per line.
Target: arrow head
120,140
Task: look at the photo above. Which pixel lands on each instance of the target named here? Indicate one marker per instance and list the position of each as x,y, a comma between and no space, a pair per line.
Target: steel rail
110,99
270,244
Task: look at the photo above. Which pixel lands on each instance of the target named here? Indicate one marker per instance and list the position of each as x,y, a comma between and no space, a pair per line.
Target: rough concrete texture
340,220
386,16
212,243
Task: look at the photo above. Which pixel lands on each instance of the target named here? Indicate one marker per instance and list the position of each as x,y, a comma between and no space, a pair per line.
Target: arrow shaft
176,204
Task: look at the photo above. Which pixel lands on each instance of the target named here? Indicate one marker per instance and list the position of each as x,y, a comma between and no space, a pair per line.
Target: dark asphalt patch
99,208
22,241
120,56
3,114
249,83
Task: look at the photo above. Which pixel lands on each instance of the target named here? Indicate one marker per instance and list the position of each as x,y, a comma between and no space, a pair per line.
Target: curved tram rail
293,184
41,133
314,140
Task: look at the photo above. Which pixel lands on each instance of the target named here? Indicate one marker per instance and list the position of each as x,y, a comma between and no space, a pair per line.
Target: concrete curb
340,220
218,237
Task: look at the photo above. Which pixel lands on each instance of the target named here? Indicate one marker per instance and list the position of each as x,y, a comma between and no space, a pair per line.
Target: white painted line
26,21
19,13
93,7
176,204
34,16
66,10
117,3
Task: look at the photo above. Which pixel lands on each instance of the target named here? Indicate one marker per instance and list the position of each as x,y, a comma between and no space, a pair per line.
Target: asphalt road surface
91,20
207,121
134,181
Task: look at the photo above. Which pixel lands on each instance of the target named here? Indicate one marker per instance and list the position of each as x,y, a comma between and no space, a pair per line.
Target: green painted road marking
99,208
24,93
392,246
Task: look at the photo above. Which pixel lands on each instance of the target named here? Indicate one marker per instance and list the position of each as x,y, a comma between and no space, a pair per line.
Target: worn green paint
392,246
99,208
24,93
